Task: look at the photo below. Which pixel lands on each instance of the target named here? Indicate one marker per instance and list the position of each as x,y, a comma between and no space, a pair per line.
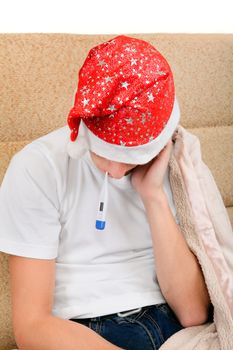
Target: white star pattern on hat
151,97
125,85
133,61
85,101
107,79
111,108
129,120
101,63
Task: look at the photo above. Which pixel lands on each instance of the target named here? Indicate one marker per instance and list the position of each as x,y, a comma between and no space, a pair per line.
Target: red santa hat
125,107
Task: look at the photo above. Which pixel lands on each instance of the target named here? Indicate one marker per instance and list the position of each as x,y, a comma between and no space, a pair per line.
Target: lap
147,329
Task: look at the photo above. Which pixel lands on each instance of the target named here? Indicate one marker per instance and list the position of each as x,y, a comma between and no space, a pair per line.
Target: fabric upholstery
38,75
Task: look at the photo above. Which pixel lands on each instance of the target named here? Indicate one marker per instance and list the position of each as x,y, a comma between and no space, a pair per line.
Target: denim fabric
146,330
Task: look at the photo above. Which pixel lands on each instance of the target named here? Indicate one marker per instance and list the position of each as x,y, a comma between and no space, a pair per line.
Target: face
115,169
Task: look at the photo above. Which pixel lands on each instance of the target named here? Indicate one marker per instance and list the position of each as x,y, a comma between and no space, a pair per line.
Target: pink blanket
206,226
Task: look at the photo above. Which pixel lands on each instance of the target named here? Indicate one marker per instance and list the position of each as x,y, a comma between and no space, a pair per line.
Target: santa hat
125,107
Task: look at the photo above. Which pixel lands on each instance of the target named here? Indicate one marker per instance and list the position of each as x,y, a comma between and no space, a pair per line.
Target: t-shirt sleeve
29,207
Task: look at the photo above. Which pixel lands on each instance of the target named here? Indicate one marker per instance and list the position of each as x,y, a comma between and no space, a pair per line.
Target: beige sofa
38,75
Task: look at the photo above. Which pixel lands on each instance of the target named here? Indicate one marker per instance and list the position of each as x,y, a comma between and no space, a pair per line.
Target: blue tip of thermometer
102,208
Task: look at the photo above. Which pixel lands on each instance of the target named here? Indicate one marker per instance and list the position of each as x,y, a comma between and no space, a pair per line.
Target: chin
116,177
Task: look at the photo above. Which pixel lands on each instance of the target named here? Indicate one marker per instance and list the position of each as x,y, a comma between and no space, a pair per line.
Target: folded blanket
204,337
211,219
204,235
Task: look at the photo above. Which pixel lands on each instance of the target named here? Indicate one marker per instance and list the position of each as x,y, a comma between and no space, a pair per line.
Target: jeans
146,329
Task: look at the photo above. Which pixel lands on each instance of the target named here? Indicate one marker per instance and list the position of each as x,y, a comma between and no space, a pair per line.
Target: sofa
38,80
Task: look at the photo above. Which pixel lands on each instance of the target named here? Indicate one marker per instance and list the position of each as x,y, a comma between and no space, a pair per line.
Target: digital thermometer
102,208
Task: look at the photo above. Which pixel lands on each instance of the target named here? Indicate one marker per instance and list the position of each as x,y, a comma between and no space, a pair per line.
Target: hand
148,179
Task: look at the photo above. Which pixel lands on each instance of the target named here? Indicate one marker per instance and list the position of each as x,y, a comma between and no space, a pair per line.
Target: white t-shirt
48,206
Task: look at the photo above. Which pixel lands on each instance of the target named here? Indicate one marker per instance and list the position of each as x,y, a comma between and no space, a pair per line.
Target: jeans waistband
119,314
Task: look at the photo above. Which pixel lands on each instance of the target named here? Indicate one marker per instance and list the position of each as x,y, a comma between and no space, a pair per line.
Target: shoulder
50,147
43,162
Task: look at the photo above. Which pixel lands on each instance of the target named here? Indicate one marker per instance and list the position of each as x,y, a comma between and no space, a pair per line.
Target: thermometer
101,213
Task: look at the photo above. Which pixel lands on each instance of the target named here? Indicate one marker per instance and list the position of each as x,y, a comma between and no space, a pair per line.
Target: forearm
178,271
52,333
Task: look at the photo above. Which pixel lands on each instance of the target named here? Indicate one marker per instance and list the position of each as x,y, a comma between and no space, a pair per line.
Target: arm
178,271
179,274
32,286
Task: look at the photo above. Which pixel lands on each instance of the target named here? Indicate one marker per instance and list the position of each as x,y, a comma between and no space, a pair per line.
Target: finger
166,148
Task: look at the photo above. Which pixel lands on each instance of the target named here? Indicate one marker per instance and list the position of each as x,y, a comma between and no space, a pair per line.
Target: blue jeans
146,329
